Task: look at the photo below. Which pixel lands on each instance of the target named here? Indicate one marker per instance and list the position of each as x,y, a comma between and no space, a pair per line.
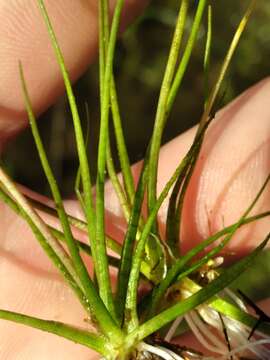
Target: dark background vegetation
140,60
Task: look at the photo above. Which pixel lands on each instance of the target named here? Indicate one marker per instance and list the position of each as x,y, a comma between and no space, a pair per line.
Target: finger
23,37
233,164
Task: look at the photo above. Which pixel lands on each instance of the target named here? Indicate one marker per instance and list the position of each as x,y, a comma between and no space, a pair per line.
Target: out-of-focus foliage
141,57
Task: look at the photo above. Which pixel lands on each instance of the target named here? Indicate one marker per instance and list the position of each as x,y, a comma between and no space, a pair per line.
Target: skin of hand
232,166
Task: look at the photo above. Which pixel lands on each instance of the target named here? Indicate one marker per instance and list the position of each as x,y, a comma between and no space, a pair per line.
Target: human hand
233,164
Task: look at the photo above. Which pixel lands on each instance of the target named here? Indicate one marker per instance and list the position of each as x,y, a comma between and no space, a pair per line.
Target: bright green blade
79,336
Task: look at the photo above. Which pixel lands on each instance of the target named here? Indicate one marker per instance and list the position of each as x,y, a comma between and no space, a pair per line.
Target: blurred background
139,65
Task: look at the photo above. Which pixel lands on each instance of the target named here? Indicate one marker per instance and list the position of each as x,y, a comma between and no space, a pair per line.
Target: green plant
185,284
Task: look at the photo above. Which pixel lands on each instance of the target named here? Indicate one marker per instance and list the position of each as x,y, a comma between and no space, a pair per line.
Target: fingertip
23,35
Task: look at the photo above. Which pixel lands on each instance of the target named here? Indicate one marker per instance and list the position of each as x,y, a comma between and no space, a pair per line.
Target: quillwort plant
182,291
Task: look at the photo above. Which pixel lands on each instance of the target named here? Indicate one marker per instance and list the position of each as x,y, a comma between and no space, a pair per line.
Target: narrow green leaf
87,188
176,200
182,67
207,53
121,145
233,312
103,268
125,200
79,336
130,238
161,114
228,58
78,175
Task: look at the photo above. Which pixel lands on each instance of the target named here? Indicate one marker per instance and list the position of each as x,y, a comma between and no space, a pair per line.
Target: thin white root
247,346
199,335
173,328
159,351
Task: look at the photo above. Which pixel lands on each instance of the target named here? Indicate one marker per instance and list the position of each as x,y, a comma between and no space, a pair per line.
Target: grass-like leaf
130,239
235,313
227,60
207,53
176,200
182,67
102,268
161,114
121,146
79,336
